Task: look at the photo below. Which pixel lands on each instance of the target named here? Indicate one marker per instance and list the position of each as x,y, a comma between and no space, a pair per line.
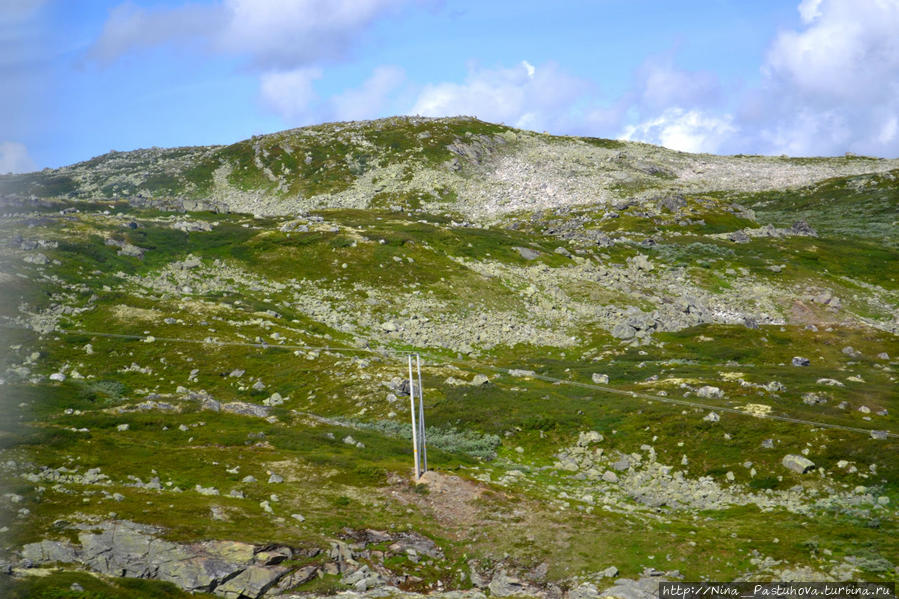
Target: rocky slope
479,170
638,365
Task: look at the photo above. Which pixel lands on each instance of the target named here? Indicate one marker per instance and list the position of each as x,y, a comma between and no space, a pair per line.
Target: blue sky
809,77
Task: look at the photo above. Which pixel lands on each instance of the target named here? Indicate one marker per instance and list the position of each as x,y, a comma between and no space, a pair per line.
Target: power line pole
414,427
421,418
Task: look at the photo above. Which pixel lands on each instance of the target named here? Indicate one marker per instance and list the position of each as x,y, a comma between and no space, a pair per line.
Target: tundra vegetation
638,365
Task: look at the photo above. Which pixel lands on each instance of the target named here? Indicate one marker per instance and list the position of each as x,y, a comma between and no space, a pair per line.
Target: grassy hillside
155,359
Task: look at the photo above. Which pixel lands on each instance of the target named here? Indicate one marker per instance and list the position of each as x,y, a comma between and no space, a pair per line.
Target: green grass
58,585
475,432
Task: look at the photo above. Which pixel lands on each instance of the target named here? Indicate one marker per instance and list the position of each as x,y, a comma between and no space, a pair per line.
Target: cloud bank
829,86
273,35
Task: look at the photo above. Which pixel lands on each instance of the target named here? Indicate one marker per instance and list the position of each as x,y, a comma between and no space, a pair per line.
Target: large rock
48,552
363,579
133,550
584,591
710,392
622,330
586,438
797,463
527,253
479,379
622,463
503,585
252,582
245,409
198,573
646,587
296,578
418,543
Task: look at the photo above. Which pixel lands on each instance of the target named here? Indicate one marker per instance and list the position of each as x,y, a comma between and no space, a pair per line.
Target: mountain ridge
475,169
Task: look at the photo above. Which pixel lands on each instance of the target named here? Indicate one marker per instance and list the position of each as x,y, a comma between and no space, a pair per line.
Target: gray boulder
622,330
245,409
646,587
252,582
296,578
851,352
418,543
503,585
710,392
586,438
133,550
583,591
527,253
131,250
48,552
797,463
622,463
739,237
800,361
801,227
479,379
363,579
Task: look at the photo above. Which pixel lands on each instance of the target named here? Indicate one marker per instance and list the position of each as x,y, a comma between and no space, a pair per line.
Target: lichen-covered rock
797,463
48,552
252,582
245,409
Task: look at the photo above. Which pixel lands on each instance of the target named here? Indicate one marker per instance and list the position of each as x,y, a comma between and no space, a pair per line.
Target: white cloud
276,35
809,10
829,87
368,100
130,27
529,68
291,93
14,158
687,131
660,84
833,86
850,51
524,96
286,41
287,33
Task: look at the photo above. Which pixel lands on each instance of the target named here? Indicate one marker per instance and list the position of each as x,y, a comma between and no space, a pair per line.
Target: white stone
712,417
